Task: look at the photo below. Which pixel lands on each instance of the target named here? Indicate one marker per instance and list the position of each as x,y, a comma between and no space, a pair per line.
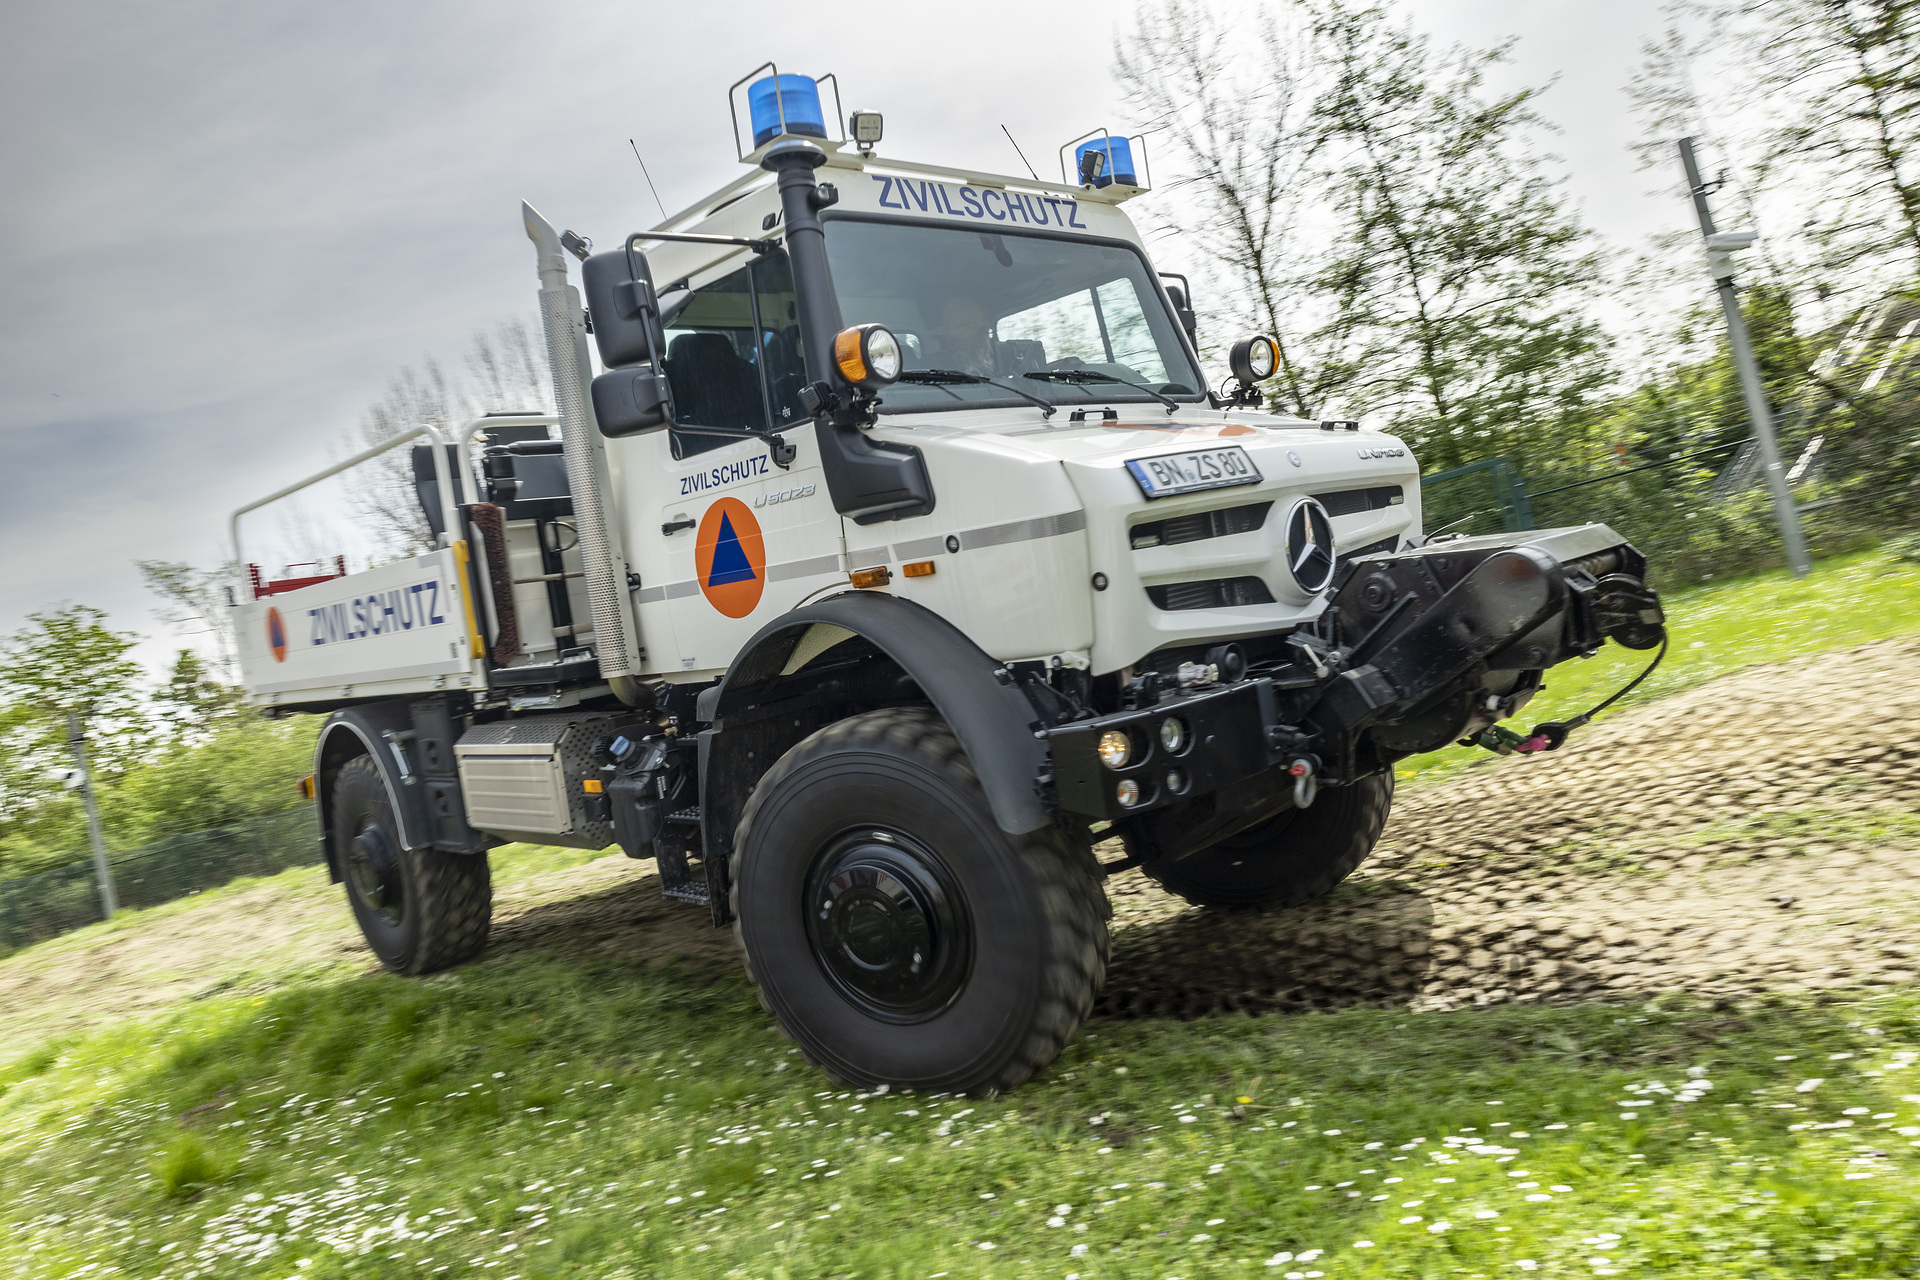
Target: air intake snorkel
869,481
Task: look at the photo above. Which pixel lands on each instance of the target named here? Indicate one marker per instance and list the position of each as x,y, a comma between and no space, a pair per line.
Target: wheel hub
888,925
376,872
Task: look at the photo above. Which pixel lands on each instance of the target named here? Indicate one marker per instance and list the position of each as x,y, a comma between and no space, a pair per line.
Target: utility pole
77,744
1720,249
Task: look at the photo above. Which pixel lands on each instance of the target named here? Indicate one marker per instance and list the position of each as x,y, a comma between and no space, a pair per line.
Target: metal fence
44,905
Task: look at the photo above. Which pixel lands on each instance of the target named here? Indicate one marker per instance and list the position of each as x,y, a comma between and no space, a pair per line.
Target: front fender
974,694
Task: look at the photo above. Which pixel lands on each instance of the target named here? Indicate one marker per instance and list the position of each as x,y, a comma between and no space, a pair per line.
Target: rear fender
363,731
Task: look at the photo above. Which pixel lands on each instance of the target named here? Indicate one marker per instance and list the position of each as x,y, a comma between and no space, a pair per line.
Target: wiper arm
1094,375
937,376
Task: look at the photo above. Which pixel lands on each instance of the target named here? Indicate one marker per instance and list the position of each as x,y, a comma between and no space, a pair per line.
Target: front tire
421,910
896,933
1289,859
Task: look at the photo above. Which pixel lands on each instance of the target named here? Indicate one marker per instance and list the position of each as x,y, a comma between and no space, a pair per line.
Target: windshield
1068,321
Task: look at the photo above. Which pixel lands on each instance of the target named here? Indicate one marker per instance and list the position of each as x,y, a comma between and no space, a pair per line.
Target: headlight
1173,735
1253,359
1114,749
868,356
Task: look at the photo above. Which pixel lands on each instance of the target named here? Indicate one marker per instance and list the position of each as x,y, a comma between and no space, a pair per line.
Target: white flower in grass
1199,1238
1279,1259
1486,1213
1537,1196
1558,1187
1363,1244
1808,1086
987,1244
1078,1251
1526,1264
1410,1219
1438,1227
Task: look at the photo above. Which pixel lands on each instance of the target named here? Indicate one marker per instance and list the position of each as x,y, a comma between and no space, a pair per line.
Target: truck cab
895,549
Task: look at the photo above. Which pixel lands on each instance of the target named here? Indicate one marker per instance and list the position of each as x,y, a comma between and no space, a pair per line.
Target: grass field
538,1114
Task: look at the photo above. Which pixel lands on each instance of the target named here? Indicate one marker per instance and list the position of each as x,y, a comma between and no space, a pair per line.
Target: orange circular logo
276,634
729,558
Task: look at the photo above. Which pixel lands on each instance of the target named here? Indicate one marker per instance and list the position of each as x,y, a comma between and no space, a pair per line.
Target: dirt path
1759,832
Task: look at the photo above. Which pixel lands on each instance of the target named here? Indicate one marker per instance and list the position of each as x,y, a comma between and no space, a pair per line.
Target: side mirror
627,327
1182,298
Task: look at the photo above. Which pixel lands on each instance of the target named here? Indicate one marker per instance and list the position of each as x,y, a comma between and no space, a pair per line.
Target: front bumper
1414,650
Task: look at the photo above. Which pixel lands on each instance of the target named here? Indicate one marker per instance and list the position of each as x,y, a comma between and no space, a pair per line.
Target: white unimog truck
898,553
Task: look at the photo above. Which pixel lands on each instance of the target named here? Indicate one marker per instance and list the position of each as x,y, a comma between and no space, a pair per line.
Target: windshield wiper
1080,376
937,376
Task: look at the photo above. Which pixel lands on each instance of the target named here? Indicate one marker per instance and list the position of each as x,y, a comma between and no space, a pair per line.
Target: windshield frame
1095,393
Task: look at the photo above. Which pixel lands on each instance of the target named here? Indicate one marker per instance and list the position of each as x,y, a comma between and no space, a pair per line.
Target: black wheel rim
375,873
888,924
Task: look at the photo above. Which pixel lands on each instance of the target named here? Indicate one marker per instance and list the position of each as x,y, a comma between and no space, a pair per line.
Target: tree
196,599
1457,275
506,372
192,702
1842,78
1235,102
65,661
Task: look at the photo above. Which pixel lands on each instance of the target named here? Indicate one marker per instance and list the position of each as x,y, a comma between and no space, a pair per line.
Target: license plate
1172,473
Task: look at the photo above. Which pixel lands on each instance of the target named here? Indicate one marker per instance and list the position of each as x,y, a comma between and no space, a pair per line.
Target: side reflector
918,569
879,577
591,786
307,787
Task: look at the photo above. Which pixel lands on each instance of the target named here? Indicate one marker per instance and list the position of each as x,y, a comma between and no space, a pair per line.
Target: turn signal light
918,569
878,577
591,786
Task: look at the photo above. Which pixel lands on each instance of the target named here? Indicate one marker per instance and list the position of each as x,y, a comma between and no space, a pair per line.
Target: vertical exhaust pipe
615,642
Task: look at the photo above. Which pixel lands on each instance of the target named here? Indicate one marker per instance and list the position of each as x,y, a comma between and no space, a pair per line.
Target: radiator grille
1213,593
1350,502
1199,524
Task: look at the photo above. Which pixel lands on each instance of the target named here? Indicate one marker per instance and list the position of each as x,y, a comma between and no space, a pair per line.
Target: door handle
674,526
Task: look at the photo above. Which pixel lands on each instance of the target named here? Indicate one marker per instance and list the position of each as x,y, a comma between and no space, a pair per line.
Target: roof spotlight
1254,358
868,356
865,127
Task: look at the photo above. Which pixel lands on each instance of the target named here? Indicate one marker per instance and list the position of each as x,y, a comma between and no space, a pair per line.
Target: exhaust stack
615,642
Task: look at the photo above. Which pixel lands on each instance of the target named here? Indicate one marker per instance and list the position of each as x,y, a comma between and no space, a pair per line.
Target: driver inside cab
965,341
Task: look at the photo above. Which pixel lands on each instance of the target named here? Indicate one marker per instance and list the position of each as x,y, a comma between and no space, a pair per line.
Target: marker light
1115,164
1114,749
1177,781
1253,359
868,356
1127,793
1173,735
785,104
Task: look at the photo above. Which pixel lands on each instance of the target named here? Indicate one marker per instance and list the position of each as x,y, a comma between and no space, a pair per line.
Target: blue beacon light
797,96
1119,157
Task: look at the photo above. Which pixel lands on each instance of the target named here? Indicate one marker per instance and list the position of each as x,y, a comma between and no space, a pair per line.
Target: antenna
649,177
1017,151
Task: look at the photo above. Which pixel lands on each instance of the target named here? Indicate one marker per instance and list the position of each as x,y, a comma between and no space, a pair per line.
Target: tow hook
1306,782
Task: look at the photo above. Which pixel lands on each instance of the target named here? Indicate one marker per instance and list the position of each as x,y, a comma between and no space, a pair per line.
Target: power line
649,177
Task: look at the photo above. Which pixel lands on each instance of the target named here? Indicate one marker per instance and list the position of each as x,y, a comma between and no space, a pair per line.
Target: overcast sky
224,225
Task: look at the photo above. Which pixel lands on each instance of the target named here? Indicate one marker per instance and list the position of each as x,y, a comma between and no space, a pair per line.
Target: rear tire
896,933
1291,858
420,910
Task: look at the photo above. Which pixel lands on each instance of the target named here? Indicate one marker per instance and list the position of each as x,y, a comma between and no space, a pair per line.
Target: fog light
1173,735
1115,748
1177,781
1127,793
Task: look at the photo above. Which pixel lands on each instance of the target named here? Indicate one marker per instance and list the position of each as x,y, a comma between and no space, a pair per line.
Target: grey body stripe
675,590
649,595
868,558
803,568
920,548
994,535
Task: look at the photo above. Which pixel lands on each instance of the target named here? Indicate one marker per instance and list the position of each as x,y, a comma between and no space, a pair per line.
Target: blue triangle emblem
730,562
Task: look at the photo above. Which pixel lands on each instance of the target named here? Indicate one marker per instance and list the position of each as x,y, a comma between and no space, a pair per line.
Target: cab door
744,538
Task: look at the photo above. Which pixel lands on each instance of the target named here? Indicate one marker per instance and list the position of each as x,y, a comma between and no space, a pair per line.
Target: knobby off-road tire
896,933
420,910
1291,858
